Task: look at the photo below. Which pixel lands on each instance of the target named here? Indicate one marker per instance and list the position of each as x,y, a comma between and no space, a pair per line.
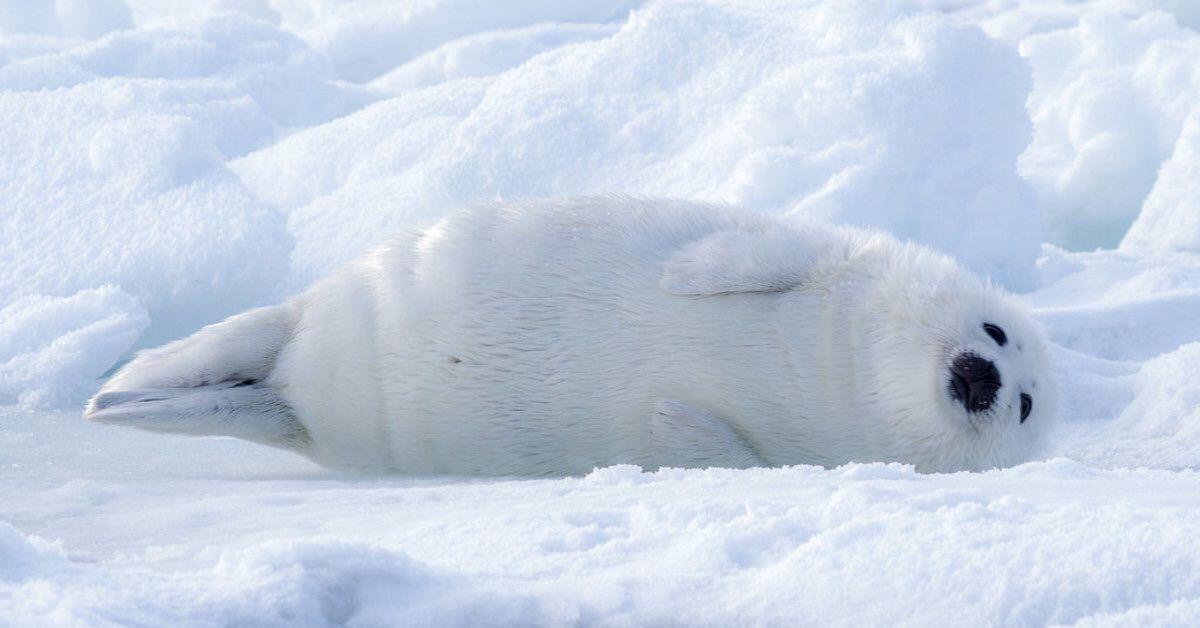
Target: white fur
556,336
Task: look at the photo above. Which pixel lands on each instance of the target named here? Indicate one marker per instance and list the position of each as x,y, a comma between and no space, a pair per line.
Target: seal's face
993,373
991,383
950,374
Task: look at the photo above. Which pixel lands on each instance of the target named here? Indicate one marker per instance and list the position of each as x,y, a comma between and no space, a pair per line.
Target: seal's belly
528,383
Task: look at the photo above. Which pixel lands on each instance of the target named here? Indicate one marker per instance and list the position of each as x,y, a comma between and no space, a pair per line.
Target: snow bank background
166,164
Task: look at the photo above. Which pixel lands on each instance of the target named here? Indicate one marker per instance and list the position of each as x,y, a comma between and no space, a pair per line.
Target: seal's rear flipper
209,383
244,410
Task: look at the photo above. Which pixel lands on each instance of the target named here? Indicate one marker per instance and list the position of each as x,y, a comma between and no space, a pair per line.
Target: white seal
552,337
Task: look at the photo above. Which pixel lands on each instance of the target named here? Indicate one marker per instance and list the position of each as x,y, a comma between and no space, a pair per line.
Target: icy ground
165,164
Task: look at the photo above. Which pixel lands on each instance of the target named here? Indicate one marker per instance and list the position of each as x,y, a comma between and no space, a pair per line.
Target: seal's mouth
973,382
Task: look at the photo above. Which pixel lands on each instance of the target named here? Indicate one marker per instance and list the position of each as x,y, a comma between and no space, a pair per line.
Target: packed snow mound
70,18
1160,426
1114,81
1109,104
365,39
485,54
151,14
288,83
839,111
1014,20
1118,306
54,349
1170,217
23,557
112,172
1124,327
119,182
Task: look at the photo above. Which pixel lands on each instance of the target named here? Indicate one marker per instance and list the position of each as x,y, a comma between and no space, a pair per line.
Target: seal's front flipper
241,409
683,436
762,258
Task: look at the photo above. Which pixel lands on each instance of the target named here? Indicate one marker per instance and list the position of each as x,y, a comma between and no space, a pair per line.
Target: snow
224,533
485,54
118,182
1110,100
866,543
166,164
882,124
113,169
364,39
69,18
1170,216
52,349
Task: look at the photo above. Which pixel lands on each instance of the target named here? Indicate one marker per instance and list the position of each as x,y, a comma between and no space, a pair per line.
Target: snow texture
865,545
1111,99
166,164
52,349
1170,216
882,124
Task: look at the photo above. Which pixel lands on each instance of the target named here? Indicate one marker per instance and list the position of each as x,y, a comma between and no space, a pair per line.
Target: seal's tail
210,383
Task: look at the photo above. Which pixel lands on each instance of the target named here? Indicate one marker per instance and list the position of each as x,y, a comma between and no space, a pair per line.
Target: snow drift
834,111
1110,101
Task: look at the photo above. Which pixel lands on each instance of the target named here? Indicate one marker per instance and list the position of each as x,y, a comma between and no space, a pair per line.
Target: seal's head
961,370
996,386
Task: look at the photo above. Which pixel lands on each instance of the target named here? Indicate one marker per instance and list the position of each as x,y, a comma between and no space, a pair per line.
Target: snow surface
166,164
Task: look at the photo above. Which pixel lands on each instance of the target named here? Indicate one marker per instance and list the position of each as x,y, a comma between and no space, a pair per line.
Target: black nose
974,382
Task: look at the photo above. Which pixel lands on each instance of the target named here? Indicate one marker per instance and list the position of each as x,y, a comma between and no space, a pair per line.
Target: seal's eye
996,333
1026,406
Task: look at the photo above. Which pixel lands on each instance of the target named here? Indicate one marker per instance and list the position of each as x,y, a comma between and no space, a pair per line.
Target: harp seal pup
552,337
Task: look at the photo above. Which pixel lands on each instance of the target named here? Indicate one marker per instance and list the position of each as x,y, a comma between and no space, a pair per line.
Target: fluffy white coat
552,337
